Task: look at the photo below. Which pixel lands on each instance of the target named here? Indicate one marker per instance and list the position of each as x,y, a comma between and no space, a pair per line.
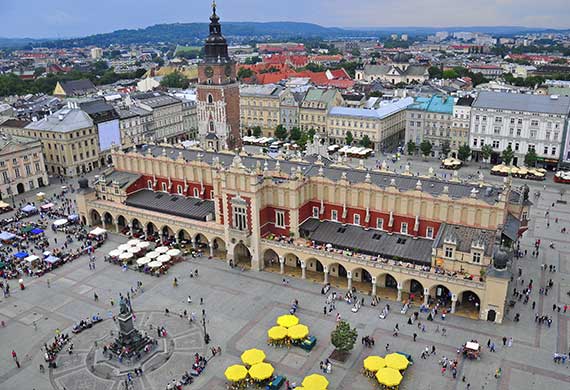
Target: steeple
216,47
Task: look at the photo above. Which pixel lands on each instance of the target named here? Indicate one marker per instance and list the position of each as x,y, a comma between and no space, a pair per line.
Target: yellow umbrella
374,363
252,356
389,377
277,333
497,168
298,332
236,373
396,361
261,371
287,320
315,382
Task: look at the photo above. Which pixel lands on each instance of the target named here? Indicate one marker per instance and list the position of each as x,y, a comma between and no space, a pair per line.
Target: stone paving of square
241,306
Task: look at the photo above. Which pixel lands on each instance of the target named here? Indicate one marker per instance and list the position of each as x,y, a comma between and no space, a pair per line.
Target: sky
74,18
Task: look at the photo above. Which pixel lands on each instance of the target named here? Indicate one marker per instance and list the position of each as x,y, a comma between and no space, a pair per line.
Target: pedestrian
504,341
387,347
325,310
415,336
433,349
201,301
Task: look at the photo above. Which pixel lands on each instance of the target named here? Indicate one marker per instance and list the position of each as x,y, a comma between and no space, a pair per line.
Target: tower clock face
228,70
209,71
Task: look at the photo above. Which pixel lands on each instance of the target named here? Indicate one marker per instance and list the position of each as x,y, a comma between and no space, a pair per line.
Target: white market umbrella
161,249
152,255
163,258
115,253
124,247
134,242
173,252
155,264
126,256
143,244
143,261
134,250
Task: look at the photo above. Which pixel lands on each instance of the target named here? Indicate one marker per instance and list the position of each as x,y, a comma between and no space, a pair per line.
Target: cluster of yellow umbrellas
314,382
288,326
258,370
387,369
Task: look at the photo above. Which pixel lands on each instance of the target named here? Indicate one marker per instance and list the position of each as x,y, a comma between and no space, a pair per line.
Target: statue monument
130,342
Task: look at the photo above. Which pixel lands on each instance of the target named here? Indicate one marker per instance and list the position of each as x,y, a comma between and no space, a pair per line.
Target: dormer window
448,252
477,257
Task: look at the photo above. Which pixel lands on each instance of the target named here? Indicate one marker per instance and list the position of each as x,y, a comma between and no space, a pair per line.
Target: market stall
252,356
161,249
29,209
60,223
47,206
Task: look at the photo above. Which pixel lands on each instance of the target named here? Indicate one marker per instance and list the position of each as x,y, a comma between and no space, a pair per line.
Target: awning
51,259
60,222
36,231
47,206
28,209
97,231
31,259
27,229
6,236
73,217
4,205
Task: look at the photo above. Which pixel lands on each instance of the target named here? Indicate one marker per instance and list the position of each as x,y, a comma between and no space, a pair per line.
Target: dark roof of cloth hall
177,205
433,186
372,241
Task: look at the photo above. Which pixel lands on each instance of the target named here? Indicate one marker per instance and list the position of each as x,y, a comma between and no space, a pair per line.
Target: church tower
218,93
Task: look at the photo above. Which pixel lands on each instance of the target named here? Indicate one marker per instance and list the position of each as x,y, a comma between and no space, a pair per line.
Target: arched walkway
242,255
337,276
468,304
151,231
271,261
183,237
201,242
167,235
314,270
137,228
413,290
440,294
292,265
109,223
122,225
362,280
95,218
387,287
219,249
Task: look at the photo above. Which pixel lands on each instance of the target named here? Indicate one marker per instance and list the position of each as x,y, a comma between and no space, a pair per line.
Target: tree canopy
175,80
343,337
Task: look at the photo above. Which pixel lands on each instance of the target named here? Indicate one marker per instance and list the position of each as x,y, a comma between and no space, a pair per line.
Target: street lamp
206,335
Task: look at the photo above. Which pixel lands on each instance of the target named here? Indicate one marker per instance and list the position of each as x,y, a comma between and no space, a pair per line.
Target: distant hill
194,33
181,33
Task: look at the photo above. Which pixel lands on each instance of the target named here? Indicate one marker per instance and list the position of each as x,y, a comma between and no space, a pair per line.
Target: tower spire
214,7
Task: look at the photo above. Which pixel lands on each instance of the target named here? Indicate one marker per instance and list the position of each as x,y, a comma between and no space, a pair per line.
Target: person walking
415,336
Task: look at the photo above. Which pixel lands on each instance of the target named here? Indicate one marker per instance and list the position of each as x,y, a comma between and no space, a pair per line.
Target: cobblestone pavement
241,306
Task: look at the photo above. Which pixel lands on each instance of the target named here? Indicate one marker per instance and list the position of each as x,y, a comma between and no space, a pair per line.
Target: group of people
50,351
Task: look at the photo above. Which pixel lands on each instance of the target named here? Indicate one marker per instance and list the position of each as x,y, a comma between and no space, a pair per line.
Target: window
196,193
5,177
334,215
530,147
17,172
279,219
534,123
448,252
164,187
546,150
179,189
477,257
315,212
356,219
553,151
474,141
239,220
210,99
380,223
518,132
495,144
429,232
404,228
517,147
533,134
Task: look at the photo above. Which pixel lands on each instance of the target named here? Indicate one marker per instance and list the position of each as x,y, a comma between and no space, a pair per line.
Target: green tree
281,132
311,134
435,72
343,337
355,52
365,141
450,74
315,67
507,155
445,148
295,134
302,142
256,131
349,138
411,146
175,80
464,152
530,158
486,151
244,73
426,148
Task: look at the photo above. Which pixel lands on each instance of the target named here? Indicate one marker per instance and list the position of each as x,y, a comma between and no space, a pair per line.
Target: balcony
381,264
